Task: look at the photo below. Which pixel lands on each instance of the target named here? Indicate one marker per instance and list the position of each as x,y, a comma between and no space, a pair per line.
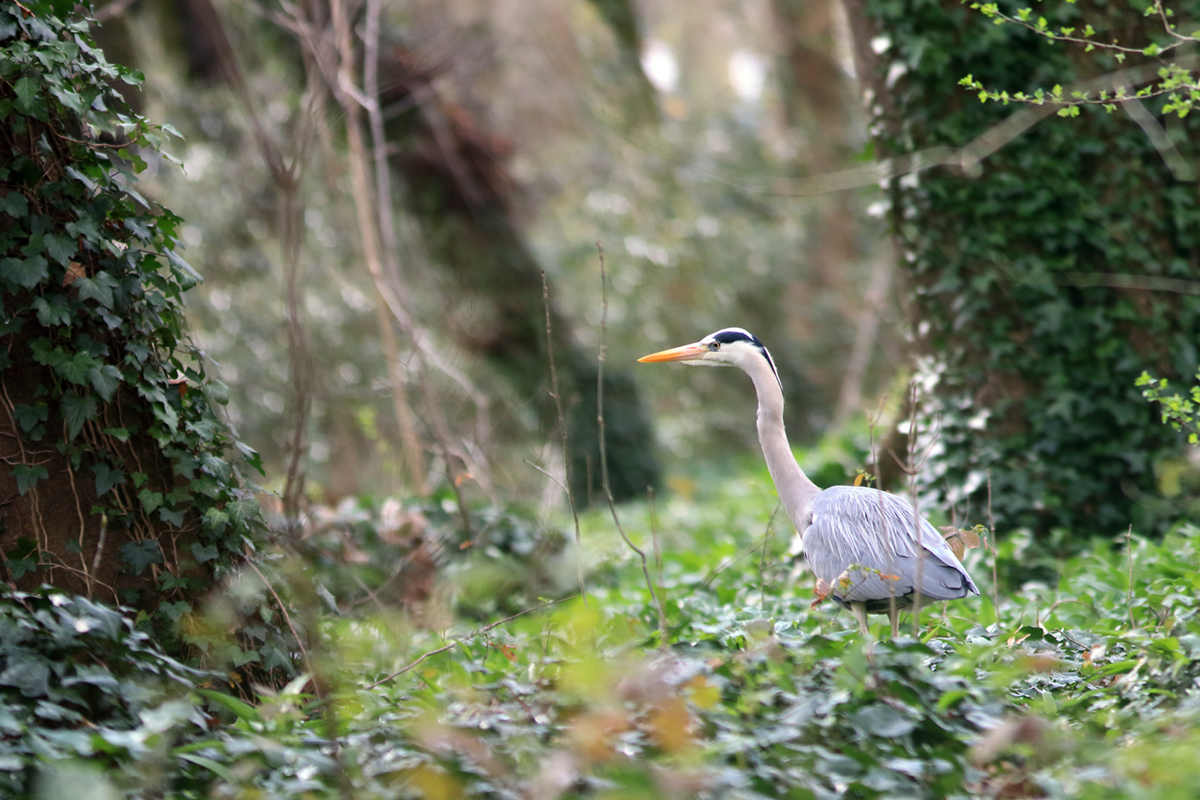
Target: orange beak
685,353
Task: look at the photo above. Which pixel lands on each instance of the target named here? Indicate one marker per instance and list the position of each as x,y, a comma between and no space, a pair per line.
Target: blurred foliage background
664,148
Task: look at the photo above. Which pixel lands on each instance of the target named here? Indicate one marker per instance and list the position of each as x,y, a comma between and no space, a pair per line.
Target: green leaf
106,477
61,248
56,311
175,611
77,410
14,204
98,288
27,672
204,553
26,90
76,369
240,709
217,519
140,555
187,276
120,434
28,416
150,500
218,769
26,272
105,380
27,475
884,721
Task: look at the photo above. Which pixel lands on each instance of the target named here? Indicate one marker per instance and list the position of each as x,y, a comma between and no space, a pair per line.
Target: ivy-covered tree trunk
1031,345
114,481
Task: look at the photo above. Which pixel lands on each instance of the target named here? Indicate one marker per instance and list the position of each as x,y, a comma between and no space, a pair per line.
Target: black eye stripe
731,335
727,337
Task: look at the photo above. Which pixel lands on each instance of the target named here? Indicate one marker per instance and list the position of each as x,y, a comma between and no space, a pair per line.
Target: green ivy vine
1045,285
104,403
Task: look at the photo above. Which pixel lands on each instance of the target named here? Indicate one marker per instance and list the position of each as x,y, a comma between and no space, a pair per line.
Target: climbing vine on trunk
116,476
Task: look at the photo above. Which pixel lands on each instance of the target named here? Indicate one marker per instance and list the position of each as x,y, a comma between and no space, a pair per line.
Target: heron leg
894,618
860,614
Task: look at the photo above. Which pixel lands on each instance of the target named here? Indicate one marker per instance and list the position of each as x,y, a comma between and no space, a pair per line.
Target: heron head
728,347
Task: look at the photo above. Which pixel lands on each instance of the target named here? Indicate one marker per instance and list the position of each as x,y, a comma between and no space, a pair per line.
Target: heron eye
715,346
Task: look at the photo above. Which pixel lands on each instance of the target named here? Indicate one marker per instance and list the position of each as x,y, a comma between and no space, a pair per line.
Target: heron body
873,550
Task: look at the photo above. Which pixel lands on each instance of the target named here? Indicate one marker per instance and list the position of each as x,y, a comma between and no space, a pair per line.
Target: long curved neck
795,489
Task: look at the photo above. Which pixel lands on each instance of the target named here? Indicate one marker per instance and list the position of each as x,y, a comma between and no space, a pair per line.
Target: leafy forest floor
1081,683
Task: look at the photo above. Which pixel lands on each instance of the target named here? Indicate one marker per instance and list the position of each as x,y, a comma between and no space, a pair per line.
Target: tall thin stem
562,427
351,101
612,505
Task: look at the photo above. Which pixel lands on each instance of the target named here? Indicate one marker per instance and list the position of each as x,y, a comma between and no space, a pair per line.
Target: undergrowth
1080,687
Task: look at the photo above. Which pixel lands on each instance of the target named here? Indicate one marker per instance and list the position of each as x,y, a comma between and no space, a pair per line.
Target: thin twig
562,427
413,664
914,410
762,564
1129,589
658,563
731,560
612,504
308,664
992,543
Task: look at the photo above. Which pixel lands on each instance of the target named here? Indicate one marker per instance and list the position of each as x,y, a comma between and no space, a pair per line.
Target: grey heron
872,550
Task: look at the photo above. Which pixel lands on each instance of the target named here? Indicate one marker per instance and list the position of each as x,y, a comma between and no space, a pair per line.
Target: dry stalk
82,531
287,618
1129,589
442,438
562,427
992,547
658,563
612,505
911,466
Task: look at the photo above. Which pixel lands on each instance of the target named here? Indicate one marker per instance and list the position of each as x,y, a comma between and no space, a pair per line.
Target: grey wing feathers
865,527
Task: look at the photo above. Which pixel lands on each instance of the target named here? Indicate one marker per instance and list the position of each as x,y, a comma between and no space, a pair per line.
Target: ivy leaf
14,204
77,410
204,553
106,477
139,555
120,434
885,721
105,380
44,352
187,276
28,416
27,475
26,272
150,500
100,288
218,520
76,369
29,100
139,351
85,227
28,673
55,312
61,248
175,611
243,511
